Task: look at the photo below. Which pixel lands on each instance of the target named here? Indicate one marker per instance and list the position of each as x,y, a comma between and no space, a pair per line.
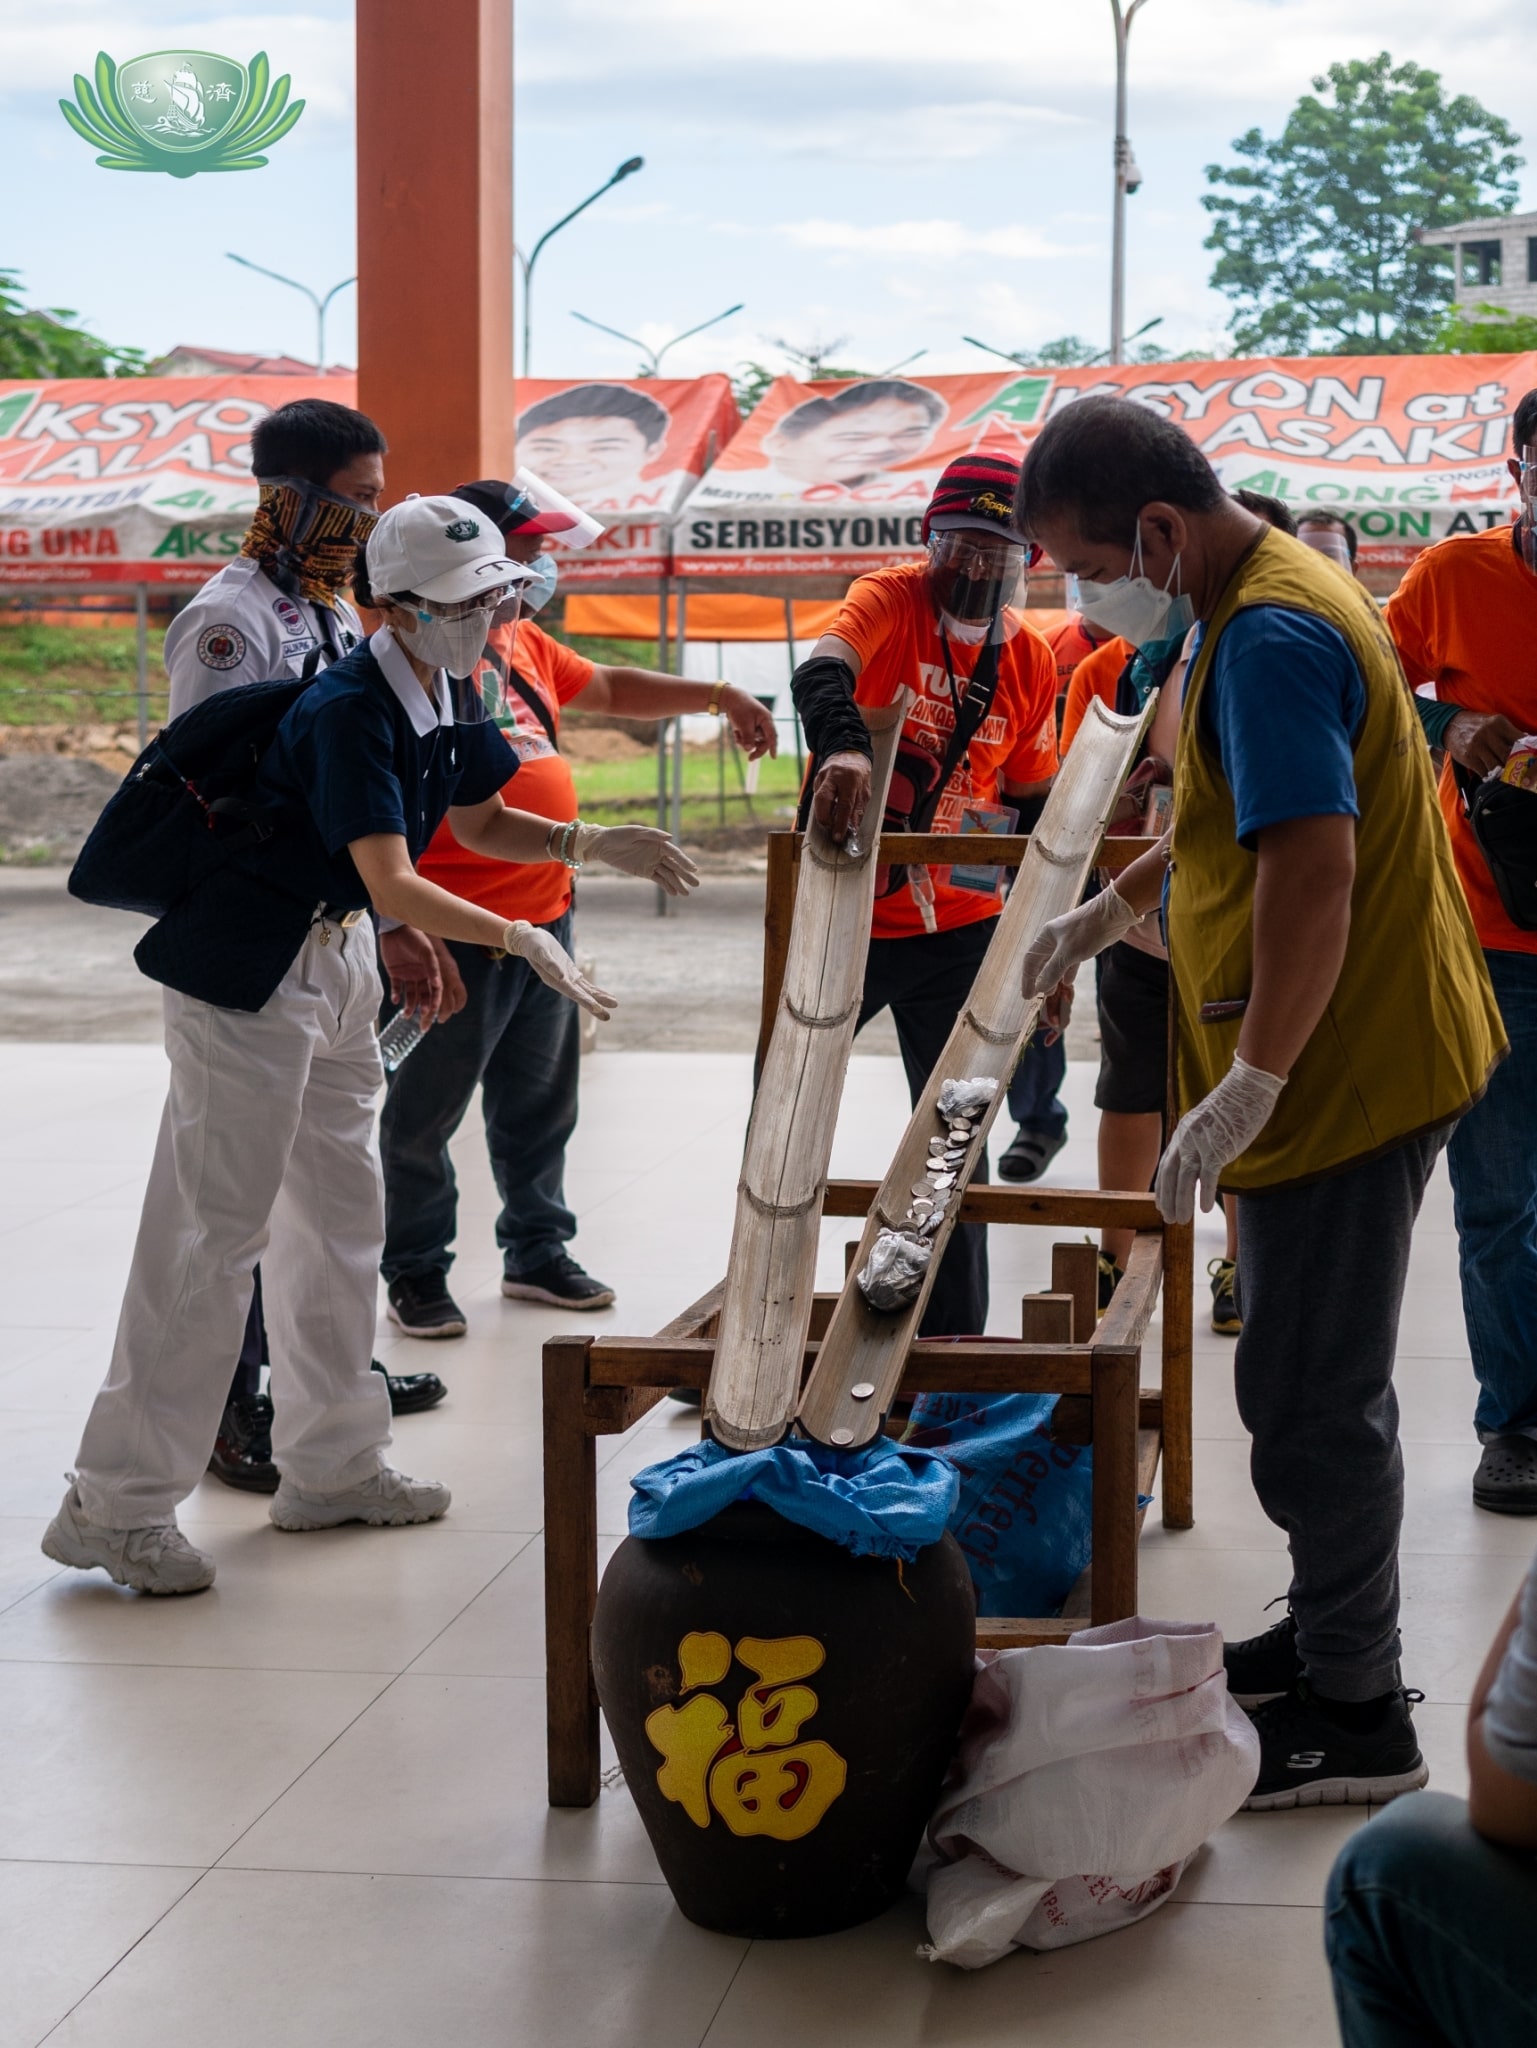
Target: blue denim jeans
520,1043
1033,1102
1493,1160
1430,1933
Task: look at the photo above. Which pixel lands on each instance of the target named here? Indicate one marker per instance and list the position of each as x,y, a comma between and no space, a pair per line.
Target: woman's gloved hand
1211,1136
556,969
1067,941
637,850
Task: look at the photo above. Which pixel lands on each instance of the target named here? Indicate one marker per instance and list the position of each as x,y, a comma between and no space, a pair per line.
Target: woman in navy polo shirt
266,1148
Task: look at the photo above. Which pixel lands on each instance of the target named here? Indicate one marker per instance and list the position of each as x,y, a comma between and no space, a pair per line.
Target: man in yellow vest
1333,1020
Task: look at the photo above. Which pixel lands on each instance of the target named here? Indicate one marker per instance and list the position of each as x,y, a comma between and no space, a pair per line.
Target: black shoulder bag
1503,818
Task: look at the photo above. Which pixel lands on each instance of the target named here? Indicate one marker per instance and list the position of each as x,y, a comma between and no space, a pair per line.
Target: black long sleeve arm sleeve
823,689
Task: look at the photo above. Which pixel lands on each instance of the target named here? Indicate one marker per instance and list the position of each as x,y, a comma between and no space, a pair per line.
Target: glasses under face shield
974,578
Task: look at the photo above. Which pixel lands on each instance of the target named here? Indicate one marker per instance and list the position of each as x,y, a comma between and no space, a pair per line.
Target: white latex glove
638,850
1211,1136
1067,941
556,969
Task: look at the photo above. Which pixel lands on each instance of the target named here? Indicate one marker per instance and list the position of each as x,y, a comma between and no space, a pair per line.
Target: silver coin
863,1390
942,1180
842,1436
955,1157
921,1187
920,1203
931,1222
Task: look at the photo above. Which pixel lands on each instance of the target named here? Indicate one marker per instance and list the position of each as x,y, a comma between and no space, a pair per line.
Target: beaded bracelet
562,852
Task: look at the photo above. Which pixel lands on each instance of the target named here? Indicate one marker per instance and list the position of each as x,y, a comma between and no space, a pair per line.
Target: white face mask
970,632
1133,607
454,644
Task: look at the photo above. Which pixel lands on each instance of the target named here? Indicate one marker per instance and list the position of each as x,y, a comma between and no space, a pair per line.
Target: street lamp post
526,263
1127,179
656,354
318,303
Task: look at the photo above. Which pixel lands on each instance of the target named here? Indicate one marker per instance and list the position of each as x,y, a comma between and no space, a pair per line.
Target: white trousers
266,1153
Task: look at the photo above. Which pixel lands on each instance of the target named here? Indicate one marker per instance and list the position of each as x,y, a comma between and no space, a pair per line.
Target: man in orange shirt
1463,620
979,737
514,1038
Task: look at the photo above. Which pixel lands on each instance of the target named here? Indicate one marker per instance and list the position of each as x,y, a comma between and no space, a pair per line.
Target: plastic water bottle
399,1039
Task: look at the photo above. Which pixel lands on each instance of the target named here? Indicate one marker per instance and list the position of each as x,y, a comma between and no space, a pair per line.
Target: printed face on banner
855,435
593,441
832,478
629,453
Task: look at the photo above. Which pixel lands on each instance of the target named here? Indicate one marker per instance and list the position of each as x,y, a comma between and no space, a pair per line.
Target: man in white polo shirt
279,609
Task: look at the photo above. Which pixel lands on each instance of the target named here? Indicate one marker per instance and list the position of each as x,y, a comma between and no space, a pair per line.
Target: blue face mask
540,588
1152,662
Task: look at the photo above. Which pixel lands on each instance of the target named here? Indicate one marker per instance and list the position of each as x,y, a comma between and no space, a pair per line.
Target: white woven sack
1088,1774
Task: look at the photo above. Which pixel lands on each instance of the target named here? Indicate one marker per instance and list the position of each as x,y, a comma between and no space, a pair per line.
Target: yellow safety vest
1412,1029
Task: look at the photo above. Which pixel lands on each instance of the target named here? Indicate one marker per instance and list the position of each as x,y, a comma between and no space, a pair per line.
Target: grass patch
67,675
625,790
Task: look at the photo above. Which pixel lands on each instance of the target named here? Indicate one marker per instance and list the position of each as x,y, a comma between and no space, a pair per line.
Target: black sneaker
561,1282
1110,1278
1307,1758
1265,1665
421,1305
1030,1153
1225,1319
242,1451
411,1392
1506,1480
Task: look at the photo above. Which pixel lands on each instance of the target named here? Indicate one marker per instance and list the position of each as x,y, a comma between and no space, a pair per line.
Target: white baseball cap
442,548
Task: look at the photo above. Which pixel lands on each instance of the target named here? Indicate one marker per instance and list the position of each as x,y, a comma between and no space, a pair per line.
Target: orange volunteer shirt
1464,619
889,622
1095,676
540,892
1069,645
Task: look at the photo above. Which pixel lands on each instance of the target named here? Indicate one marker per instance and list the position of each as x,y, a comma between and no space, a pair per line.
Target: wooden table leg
570,1576
1115,1401
1178,1392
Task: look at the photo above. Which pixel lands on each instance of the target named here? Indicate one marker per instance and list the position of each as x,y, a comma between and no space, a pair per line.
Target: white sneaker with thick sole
151,1560
388,1499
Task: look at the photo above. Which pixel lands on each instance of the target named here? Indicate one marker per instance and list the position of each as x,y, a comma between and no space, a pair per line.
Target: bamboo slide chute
860,1361
771,1276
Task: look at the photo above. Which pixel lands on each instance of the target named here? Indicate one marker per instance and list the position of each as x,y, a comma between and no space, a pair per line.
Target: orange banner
833,477
627,452
709,615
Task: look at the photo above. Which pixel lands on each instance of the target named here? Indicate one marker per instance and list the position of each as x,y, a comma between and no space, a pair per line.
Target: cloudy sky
896,173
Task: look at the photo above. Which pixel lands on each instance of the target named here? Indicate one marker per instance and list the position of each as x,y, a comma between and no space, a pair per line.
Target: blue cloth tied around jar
889,1500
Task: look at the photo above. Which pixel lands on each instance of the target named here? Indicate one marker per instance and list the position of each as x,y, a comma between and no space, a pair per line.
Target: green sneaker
1225,1319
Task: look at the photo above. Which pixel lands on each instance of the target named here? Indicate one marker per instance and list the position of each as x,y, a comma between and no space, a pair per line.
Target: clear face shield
457,637
975,579
1526,530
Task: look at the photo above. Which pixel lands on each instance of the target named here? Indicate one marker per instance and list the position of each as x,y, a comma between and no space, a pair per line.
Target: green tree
1486,330
1316,226
41,342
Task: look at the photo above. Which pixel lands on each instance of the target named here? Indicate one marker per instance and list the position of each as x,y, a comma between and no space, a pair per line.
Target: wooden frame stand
602,1386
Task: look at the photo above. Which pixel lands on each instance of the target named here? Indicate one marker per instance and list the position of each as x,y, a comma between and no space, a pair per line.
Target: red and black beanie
975,490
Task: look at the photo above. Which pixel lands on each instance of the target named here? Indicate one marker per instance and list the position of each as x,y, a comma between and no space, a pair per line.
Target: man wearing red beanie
978,746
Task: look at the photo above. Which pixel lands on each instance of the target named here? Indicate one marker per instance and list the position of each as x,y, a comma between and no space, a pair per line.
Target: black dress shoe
411,1392
242,1451
1506,1480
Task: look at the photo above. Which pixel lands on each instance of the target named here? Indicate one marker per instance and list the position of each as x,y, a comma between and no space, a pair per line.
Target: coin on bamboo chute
942,1180
842,1436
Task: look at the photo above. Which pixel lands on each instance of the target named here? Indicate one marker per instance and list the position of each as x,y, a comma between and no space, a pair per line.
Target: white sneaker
387,1499
152,1560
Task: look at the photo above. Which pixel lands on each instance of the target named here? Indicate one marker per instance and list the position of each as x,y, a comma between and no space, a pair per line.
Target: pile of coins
942,1181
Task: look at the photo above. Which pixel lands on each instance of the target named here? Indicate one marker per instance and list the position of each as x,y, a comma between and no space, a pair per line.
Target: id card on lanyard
1000,820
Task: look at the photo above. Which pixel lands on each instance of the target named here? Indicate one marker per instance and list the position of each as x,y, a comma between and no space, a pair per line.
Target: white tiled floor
309,1804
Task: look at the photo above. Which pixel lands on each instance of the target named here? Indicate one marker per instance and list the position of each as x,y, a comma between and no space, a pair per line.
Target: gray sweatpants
1321,1273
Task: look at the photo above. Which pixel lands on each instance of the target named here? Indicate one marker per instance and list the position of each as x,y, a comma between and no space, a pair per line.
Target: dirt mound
48,803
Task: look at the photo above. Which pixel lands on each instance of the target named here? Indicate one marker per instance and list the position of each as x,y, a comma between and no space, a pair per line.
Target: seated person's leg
1431,1933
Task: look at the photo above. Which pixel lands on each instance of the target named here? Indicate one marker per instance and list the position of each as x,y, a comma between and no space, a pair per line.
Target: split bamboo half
771,1275
867,1349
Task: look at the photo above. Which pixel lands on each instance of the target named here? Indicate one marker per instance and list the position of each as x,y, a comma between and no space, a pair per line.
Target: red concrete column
434,108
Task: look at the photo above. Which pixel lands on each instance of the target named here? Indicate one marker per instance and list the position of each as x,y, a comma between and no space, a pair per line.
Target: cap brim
973,522
489,573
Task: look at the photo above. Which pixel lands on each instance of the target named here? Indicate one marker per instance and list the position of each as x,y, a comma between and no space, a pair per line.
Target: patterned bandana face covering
306,539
